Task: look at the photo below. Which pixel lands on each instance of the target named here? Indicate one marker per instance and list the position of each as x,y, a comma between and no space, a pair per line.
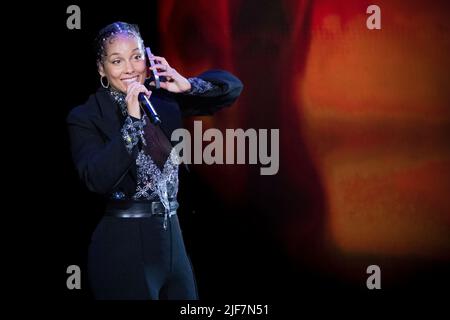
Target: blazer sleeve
100,161
225,91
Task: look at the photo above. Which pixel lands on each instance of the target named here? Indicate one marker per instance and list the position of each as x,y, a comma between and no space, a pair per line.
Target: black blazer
97,146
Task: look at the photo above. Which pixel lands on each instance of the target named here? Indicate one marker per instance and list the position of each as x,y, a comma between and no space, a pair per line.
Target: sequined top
155,178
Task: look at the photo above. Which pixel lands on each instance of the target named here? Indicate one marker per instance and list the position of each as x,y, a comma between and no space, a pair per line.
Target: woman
137,250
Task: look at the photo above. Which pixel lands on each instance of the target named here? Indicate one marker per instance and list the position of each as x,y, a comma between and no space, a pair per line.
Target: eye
117,61
138,57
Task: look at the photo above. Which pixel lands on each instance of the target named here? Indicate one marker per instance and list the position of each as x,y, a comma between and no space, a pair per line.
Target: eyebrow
118,54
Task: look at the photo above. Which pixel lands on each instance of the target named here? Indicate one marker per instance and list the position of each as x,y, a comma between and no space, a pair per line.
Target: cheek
141,67
115,73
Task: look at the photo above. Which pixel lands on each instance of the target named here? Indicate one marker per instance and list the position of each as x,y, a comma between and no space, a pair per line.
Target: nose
129,67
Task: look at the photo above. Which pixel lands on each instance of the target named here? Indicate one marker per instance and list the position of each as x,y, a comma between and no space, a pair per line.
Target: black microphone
147,106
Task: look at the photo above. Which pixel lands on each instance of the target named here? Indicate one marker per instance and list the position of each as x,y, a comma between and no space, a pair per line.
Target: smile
130,80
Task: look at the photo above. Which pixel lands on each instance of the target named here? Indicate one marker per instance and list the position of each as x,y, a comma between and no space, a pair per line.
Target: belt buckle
157,207
173,205
154,207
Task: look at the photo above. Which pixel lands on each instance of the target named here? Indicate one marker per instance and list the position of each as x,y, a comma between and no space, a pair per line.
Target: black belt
140,209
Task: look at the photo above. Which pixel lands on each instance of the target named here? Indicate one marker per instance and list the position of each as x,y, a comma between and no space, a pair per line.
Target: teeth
131,80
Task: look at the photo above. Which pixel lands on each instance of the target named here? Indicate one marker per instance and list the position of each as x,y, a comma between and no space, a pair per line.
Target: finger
129,95
144,90
158,67
132,91
166,73
140,89
160,59
131,86
164,85
154,59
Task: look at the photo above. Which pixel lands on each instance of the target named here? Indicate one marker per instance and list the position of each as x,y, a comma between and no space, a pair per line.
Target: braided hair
108,33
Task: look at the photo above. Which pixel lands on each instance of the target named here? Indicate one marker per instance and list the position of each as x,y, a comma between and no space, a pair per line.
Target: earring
101,81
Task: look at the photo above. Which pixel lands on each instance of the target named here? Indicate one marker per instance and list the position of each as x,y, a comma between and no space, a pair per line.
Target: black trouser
136,258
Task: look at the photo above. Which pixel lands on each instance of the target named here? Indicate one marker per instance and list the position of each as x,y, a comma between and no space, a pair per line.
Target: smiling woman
137,250
126,64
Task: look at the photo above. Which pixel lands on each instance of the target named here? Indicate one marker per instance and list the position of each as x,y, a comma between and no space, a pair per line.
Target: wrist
188,85
135,112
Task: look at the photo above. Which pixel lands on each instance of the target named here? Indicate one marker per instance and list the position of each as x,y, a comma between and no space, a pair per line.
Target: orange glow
376,115
364,115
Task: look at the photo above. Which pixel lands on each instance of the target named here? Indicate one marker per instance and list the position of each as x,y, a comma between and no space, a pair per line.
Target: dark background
235,249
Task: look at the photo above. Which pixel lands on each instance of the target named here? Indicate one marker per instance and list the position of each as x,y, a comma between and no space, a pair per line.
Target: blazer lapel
111,119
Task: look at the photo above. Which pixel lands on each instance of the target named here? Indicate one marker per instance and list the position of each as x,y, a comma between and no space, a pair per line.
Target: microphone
147,106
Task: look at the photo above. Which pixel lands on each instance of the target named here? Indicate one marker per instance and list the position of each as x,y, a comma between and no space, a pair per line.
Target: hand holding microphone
134,91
